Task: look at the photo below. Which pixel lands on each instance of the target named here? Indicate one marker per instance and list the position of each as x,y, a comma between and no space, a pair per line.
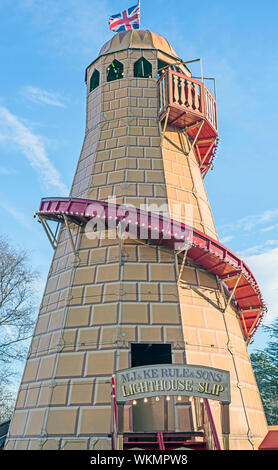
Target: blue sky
45,46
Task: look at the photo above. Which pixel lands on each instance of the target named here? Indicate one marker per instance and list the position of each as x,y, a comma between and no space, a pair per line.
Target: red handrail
212,424
160,441
115,418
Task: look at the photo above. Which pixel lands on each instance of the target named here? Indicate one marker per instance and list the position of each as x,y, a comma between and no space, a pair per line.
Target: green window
143,68
94,81
115,71
161,65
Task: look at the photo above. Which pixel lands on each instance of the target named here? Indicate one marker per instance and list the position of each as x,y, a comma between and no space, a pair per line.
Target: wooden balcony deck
189,105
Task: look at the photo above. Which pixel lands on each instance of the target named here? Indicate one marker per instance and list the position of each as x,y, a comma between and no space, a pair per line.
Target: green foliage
265,366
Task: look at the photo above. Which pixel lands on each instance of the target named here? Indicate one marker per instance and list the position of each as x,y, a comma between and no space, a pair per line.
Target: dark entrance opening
147,354
154,414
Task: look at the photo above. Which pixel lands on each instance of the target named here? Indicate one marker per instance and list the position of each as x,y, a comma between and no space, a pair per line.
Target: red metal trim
270,441
207,252
160,441
212,424
115,414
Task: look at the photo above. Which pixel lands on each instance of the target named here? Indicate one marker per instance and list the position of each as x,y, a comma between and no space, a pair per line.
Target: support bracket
52,236
207,153
185,250
70,234
196,136
165,123
232,293
192,145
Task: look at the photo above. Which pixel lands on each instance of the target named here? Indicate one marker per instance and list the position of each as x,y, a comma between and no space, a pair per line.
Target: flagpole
139,13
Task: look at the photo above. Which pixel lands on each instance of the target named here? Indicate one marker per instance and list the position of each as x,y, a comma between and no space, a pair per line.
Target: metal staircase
165,441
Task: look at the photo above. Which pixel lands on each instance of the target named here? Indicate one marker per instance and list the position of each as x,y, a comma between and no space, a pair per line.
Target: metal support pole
182,264
209,149
191,147
203,176
197,135
254,322
165,124
165,415
51,233
70,235
247,339
232,293
121,292
225,422
201,66
121,242
46,229
120,423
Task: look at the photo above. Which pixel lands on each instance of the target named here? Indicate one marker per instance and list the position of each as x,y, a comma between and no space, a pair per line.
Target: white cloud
75,27
258,249
271,242
264,268
250,221
268,229
15,213
252,250
39,96
31,145
226,239
6,171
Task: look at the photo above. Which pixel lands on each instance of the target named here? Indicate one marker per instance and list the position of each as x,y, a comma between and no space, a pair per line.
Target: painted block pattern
98,302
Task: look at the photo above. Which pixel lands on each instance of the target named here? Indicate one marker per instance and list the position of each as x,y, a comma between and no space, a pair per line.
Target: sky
45,46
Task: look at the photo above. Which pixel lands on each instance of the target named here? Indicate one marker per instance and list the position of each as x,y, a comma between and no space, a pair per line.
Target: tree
16,301
17,306
265,366
7,398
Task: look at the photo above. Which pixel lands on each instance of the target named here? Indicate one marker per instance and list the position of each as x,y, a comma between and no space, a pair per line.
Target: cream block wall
94,306
216,339
65,394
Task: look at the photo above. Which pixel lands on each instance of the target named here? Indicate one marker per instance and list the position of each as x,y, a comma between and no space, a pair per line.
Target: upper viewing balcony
183,101
187,103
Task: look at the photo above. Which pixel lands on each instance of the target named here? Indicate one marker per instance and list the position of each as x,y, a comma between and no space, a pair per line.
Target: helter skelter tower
142,341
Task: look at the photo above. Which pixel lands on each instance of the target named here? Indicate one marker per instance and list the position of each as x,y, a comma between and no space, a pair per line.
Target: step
166,435
194,445
173,446
170,441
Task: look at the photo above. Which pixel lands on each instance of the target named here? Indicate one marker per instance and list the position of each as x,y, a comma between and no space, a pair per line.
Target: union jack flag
127,20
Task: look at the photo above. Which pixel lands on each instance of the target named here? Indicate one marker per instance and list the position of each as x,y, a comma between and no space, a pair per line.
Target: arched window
142,68
161,66
115,71
94,81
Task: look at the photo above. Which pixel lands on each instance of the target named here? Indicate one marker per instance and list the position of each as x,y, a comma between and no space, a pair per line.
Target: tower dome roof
137,39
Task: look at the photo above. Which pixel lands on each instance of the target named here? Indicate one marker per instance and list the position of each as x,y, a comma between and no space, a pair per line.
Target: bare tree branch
17,303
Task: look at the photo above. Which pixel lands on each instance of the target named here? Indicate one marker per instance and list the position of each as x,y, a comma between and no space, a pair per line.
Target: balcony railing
189,100
205,422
